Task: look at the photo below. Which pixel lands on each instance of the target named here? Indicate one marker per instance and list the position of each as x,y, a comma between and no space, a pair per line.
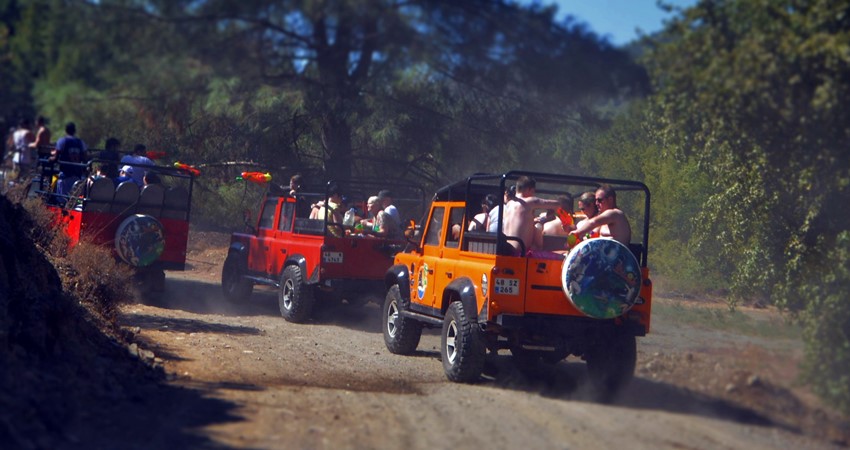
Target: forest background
735,115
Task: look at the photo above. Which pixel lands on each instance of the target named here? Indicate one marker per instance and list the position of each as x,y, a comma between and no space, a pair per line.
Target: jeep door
424,270
266,256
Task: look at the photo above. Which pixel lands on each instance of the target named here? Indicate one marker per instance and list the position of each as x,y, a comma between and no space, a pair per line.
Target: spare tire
601,277
139,240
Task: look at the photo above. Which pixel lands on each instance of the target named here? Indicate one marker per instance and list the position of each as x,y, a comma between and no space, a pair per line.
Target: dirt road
261,382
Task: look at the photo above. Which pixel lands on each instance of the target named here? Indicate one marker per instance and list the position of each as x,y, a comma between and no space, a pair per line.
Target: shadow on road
203,297
568,381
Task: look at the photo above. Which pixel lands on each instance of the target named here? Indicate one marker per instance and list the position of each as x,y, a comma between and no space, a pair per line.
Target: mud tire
401,334
462,346
611,365
295,297
234,287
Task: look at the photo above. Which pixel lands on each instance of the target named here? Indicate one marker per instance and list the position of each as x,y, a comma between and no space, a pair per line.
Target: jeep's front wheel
401,335
295,298
234,287
611,364
461,346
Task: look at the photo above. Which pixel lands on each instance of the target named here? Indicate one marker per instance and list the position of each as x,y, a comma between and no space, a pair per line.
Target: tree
485,76
756,91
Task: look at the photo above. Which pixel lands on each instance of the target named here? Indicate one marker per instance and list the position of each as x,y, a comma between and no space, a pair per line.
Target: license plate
332,257
506,286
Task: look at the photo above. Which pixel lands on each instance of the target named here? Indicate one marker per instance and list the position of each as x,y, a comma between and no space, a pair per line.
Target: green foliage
756,92
227,205
628,149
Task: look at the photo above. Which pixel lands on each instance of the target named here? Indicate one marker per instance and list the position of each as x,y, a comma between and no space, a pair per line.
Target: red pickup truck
310,259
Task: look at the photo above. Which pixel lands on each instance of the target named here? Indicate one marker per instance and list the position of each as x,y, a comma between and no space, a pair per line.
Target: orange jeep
549,303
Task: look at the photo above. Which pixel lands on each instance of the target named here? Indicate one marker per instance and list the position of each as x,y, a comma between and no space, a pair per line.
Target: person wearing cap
125,174
386,198
139,161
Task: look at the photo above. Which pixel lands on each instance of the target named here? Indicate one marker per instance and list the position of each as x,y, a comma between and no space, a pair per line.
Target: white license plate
506,286
332,257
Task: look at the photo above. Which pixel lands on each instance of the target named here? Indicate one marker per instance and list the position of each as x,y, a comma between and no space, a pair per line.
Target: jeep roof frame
476,184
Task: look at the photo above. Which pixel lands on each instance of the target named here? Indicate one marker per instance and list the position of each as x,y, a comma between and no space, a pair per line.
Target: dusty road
267,383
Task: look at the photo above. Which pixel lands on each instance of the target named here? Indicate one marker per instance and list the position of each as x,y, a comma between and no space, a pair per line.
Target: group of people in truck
381,217
602,217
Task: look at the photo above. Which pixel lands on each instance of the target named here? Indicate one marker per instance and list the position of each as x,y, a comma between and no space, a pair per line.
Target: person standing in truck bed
519,214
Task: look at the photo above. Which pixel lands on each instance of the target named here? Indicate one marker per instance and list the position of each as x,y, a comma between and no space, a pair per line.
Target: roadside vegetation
735,116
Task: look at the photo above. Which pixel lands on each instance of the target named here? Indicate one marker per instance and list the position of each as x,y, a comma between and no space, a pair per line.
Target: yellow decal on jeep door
423,281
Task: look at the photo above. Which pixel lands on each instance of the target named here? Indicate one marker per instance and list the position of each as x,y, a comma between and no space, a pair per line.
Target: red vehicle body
304,259
146,227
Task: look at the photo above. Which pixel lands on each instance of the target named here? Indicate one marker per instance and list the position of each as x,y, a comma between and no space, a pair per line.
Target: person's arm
596,222
536,202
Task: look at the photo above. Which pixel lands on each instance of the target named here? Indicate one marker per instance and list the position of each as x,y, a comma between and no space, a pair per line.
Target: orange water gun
566,218
155,154
188,169
255,177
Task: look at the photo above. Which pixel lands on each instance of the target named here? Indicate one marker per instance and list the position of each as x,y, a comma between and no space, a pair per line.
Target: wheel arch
299,260
462,290
399,275
238,248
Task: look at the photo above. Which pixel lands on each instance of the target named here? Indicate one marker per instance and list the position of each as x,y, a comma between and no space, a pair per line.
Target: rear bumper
561,326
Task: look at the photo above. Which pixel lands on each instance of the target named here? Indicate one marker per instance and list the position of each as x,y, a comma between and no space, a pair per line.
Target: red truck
310,260
147,227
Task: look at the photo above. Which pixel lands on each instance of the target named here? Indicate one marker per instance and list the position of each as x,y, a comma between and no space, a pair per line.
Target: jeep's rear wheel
295,298
401,335
462,346
611,364
234,287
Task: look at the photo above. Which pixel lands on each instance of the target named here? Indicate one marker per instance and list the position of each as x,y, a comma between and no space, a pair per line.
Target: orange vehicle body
514,302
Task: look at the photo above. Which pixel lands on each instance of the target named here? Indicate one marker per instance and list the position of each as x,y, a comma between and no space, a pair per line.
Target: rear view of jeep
310,259
546,300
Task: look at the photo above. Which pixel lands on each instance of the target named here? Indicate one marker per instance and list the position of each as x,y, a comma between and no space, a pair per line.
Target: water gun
572,240
566,218
188,169
155,154
255,177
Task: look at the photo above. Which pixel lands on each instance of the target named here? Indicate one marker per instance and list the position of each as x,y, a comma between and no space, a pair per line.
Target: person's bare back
519,214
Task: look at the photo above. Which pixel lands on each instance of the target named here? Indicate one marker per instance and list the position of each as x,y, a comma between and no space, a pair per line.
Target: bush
88,272
827,325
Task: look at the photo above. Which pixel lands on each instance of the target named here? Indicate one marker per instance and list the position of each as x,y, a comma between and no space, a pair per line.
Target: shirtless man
610,221
519,214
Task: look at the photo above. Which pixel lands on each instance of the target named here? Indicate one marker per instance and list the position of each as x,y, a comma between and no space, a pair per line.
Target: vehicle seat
101,193
126,197
151,200
175,203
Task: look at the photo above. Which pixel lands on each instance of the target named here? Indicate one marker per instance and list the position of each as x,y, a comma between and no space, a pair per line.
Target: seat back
151,200
126,197
175,203
101,193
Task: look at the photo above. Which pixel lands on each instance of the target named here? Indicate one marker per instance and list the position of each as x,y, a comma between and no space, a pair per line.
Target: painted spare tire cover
601,277
139,240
